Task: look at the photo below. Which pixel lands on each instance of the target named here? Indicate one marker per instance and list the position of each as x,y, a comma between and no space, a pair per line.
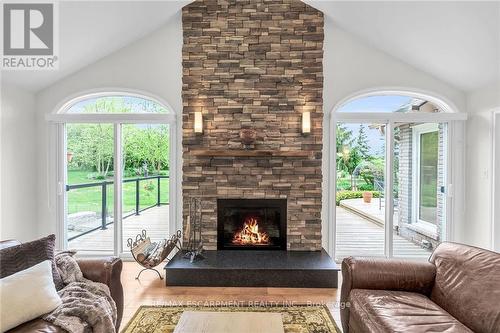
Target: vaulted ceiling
456,41
91,30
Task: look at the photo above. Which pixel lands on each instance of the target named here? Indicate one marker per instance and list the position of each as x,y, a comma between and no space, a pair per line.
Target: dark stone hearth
227,268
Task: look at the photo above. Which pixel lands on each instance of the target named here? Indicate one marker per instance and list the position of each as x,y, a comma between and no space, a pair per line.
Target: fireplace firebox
251,224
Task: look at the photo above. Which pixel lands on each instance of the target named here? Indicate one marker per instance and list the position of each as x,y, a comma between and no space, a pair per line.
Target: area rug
296,318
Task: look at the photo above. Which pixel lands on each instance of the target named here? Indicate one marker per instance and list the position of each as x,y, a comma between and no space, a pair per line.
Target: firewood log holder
160,255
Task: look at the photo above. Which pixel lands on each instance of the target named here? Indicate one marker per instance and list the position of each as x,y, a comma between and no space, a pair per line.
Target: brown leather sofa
458,290
105,270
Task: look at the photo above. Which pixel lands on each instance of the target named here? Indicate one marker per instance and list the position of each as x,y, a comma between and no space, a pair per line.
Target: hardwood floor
152,291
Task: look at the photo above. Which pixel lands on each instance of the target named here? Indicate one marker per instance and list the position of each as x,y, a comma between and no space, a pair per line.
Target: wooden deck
153,220
355,235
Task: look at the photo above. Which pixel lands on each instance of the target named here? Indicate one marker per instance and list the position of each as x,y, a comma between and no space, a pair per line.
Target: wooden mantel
249,153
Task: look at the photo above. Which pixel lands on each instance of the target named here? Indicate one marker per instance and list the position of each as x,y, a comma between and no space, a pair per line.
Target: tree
146,144
348,156
348,160
362,143
344,137
372,170
92,147
92,144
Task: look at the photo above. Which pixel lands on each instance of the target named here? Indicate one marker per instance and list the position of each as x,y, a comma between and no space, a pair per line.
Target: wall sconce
198,122
306,122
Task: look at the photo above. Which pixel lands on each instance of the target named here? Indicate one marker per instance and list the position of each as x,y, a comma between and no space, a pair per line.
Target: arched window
117,161
390,174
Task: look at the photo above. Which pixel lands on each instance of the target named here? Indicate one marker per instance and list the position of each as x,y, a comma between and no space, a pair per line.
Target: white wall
18,212
351,66
153,64
479,174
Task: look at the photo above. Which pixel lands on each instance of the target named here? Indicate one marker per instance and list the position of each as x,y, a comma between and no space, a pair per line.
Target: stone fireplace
251,224
254,65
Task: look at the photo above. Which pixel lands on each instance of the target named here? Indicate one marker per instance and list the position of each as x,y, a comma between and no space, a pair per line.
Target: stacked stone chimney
254,64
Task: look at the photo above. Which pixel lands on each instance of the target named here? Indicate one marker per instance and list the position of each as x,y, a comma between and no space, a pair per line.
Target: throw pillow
27,295
17,258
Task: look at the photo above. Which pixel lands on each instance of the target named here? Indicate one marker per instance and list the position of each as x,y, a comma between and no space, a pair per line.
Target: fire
250,234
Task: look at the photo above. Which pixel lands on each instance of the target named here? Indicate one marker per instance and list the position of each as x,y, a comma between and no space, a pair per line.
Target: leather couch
105,270
458,290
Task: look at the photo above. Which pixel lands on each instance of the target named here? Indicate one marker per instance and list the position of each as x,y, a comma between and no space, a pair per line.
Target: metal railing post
158,201
137,203
104,208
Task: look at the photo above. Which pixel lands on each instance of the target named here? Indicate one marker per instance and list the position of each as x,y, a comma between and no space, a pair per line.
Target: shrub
343,195
129,173
343,184
365,187
343,187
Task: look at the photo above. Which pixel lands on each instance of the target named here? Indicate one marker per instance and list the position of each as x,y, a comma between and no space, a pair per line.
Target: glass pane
117,104
146,169
360,206
419,189
389,103
89,188
428,176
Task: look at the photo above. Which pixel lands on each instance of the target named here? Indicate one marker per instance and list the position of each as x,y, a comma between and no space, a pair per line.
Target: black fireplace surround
251,224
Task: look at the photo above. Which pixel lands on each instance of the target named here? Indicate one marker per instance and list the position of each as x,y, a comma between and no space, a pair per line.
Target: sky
389,103
373,104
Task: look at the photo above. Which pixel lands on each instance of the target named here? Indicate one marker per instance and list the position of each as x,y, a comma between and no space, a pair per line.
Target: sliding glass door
89,187
92,223
360,178
405,217
113,172
392,176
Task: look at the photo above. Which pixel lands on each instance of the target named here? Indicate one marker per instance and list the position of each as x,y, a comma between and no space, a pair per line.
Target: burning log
250,234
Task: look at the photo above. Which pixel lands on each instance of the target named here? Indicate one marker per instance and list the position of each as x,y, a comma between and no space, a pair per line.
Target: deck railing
104,199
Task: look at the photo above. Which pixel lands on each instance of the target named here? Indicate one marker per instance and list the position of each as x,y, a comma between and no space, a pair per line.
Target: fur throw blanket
86,306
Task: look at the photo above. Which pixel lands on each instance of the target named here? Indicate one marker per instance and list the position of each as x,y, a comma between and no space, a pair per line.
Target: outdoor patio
153,220
360,232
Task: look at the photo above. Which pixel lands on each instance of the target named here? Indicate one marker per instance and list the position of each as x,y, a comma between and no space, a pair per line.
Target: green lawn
89,199
344,183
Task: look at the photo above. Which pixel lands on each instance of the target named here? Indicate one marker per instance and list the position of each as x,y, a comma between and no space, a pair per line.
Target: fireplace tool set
194,248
